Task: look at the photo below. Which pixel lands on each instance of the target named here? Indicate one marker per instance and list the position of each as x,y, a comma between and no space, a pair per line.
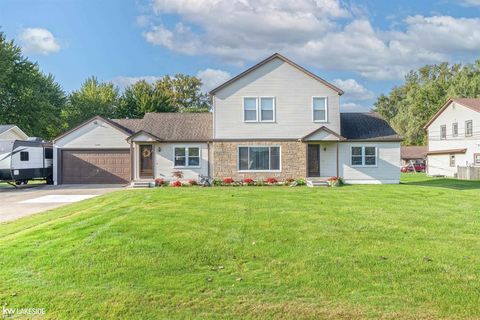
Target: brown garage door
95,166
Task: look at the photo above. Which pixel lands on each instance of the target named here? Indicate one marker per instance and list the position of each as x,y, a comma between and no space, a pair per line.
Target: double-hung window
259,158
250,109
259,109
364,156
443,132
267,109
187,157
455,129
468,128
320,109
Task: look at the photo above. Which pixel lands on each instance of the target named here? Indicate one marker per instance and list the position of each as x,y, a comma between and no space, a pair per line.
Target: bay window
363,156
259,158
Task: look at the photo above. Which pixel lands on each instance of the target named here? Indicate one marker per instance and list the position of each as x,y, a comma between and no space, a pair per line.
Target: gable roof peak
276,55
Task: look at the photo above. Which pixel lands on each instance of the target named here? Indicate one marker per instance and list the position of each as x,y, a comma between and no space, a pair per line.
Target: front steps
142,184
317,182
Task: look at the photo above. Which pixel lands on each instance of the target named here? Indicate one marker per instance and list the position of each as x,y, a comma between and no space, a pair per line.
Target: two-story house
275,119
454,137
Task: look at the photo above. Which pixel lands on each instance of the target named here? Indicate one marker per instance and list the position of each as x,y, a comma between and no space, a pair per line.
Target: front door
314,160
146,161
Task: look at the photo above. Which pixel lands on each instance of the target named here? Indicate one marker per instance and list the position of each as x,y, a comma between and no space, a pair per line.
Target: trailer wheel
49,179
21,182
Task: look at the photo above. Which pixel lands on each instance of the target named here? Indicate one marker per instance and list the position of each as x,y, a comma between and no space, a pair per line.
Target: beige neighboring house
12,132
276,119
454,137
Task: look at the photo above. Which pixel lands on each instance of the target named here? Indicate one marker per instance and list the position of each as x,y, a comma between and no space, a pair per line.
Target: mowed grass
409,251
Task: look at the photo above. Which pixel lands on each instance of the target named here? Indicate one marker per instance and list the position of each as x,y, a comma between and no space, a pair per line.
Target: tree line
410,106
38,105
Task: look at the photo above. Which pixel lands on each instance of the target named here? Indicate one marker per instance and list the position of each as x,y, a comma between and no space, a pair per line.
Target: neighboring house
276,119
11,132
415,154
454,137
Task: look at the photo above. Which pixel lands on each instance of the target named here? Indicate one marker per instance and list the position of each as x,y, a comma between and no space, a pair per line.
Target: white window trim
259,146
326,109
363,165
187,166
243,108
273,110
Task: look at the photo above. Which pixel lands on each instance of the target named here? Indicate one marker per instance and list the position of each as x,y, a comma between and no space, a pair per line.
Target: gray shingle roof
5,127
413,152
366,127
172,126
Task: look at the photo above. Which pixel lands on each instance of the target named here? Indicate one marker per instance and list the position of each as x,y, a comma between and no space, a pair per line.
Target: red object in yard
228,180
175,184
409,168
271,180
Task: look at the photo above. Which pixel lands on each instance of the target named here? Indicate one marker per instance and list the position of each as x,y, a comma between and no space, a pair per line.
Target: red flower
247,181
159,182
271,180
228,180
333,179
175,184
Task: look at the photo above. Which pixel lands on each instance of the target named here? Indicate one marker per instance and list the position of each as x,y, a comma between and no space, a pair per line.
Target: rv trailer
24,160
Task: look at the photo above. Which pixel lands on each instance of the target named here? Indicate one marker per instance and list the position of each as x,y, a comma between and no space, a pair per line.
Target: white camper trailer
24,160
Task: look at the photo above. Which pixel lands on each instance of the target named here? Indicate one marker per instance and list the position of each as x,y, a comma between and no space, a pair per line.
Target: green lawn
409,251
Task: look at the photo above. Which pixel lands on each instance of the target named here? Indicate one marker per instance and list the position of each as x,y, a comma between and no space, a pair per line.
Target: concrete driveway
31,199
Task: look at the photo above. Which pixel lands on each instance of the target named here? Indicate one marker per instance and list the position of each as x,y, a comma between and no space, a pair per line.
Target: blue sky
365,47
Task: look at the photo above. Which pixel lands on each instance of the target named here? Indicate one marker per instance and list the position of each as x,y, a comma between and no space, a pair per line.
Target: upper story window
267,109
187,157
443,132
364,156
320,109
468,128
259,109
24,156
250,109
455,129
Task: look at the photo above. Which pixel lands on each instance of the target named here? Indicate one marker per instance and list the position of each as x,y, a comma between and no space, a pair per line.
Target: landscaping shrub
175,184
248,181
217,182
228,181
271,181
177,174
300,182
192,182
334,181
159,182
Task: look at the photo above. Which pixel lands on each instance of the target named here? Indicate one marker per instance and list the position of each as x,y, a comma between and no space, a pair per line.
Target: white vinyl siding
319,109
258,158
293,91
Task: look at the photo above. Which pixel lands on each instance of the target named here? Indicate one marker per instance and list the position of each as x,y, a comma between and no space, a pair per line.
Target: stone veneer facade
293,157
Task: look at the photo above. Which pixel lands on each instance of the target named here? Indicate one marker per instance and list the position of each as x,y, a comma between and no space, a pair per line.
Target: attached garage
95,166
96,152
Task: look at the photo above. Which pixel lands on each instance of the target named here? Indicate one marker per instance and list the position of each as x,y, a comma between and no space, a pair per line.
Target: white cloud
320,33
212,78
354,107
38,40
123,81
354,91
471,3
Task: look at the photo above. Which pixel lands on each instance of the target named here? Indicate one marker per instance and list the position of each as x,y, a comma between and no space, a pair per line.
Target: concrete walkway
31,199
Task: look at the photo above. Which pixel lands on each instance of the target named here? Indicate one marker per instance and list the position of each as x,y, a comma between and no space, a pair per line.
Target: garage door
95,166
